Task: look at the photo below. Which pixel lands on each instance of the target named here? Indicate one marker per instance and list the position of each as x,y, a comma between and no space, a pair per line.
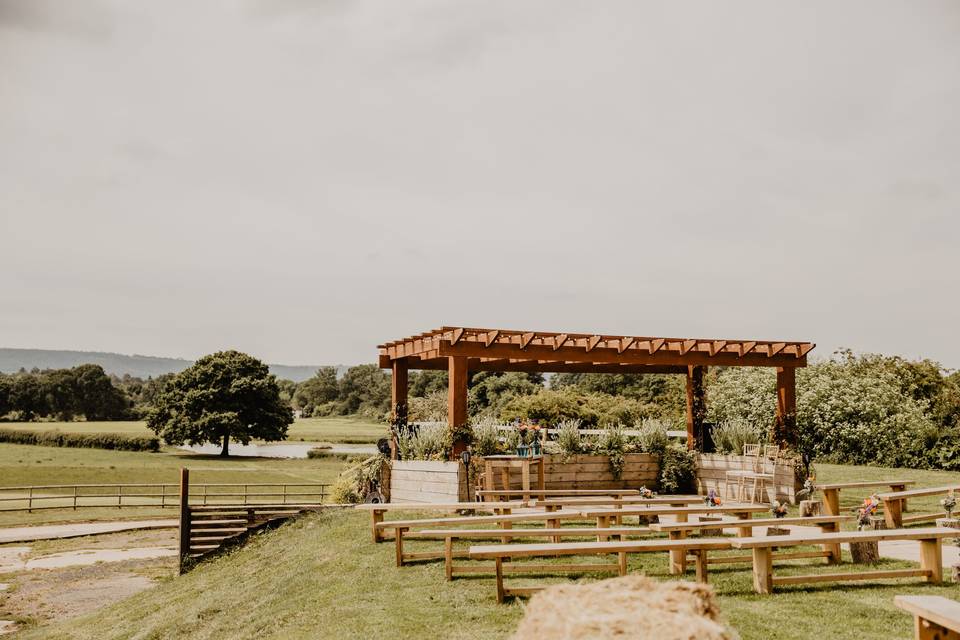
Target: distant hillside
12,360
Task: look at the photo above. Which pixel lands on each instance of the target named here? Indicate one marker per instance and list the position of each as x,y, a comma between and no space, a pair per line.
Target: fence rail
76,496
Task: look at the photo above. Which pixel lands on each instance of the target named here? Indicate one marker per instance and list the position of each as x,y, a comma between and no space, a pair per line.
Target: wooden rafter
497,349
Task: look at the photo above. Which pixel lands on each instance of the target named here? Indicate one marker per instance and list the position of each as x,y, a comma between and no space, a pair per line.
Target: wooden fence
157,495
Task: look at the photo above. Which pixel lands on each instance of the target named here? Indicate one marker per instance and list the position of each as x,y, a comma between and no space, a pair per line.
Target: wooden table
505,463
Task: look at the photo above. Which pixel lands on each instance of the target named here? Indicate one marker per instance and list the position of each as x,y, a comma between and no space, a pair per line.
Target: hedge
112,441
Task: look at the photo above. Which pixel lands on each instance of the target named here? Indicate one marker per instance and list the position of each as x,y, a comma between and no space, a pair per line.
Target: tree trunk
865,552
226,445
810,508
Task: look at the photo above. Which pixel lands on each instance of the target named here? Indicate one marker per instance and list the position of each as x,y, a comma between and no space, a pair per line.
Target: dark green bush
678,471
111,441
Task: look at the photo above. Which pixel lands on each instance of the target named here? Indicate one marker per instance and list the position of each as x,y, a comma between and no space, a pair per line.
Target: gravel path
54,532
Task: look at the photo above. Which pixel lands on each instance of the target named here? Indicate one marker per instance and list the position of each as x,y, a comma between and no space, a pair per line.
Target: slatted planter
585,471
428,481
712,471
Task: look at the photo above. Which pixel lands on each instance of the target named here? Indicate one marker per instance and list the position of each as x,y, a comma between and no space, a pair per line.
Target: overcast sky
305,180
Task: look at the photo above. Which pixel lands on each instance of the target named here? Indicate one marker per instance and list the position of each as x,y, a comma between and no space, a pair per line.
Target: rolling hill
12,360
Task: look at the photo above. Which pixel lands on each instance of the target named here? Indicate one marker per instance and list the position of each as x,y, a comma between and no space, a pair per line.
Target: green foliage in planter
356,482
110,441
430,442
568,438
730,436
653,436
678,471
613,444
486,438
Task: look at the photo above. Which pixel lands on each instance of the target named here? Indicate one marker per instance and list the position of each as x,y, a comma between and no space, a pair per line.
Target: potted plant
779,510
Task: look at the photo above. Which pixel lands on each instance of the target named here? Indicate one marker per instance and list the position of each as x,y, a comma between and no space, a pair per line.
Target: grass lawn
33,465
322,577
335,430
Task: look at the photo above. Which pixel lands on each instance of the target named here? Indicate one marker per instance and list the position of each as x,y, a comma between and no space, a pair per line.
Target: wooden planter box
585,471
712,472
427,481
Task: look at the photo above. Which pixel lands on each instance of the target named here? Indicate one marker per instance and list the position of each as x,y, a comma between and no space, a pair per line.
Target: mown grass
322,577
34,465
334,430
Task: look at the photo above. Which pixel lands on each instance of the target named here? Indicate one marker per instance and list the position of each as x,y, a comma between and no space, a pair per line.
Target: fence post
74,497
184,516
245,489
163,496
284,494
204,494
119,496
30,500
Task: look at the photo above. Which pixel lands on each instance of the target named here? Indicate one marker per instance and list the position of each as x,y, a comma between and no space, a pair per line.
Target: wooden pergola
459,350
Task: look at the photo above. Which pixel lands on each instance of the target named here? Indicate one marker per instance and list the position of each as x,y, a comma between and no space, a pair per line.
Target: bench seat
931,561
894,504
935,617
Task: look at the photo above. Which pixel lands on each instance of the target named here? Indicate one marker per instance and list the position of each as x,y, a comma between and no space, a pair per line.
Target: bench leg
832,549
831,501
903,502
398,537
678,557
927,630
762,570
622,562
701,555
603,522
931,559
498,563
892,514
448,557
506,525
744,532
554,524
375,518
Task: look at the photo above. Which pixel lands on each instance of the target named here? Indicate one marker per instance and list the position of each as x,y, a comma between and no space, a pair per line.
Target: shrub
729,437
110,441
486,437
678,471
568,437
429,442
430,408
613,444
653,436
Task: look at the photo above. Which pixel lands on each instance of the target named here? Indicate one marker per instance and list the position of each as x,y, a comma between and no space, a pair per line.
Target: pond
279,449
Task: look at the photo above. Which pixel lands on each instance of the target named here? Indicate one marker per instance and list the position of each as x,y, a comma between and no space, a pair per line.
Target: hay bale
623,608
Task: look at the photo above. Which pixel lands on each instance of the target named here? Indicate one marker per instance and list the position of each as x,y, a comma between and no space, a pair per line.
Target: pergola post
696,406
398,389
785,427
457,399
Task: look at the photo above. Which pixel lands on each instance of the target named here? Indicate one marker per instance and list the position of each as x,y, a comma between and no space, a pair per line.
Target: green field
334,430
32,465
322,577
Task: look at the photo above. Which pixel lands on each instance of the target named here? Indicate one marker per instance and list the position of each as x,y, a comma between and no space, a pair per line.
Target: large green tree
318,390
226,395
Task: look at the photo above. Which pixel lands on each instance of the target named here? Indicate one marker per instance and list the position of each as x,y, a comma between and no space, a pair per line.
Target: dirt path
54,532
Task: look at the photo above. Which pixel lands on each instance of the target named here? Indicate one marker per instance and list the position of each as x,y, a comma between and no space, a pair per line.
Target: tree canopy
226,395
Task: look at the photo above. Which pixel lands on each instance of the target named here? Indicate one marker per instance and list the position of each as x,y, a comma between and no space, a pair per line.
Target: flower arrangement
647,494
712,499
809,488
778,509
865,510
948,504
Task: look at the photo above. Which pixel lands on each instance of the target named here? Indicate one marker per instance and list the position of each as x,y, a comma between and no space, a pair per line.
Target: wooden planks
712,471
428,481
935,617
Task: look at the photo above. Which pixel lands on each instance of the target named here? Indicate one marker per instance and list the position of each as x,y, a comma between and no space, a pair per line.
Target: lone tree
222,396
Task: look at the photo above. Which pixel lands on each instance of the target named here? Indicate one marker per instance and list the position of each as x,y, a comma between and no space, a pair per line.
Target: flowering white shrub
852,409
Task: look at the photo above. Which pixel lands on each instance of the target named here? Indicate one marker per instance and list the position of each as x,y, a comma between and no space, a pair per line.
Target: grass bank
334,430
35,465
322,577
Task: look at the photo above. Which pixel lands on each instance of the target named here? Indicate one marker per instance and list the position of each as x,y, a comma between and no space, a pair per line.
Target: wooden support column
457,399
785,427
184,546
398,389
696,406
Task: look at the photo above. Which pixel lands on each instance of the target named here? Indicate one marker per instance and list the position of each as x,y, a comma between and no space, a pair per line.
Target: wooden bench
506,521
935,617
607,516
617,501
499,553
931,561
827,524
893,505
450,535
377,510
499,494
831,491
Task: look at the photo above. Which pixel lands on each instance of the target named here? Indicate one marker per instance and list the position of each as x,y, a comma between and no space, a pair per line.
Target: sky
303,180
